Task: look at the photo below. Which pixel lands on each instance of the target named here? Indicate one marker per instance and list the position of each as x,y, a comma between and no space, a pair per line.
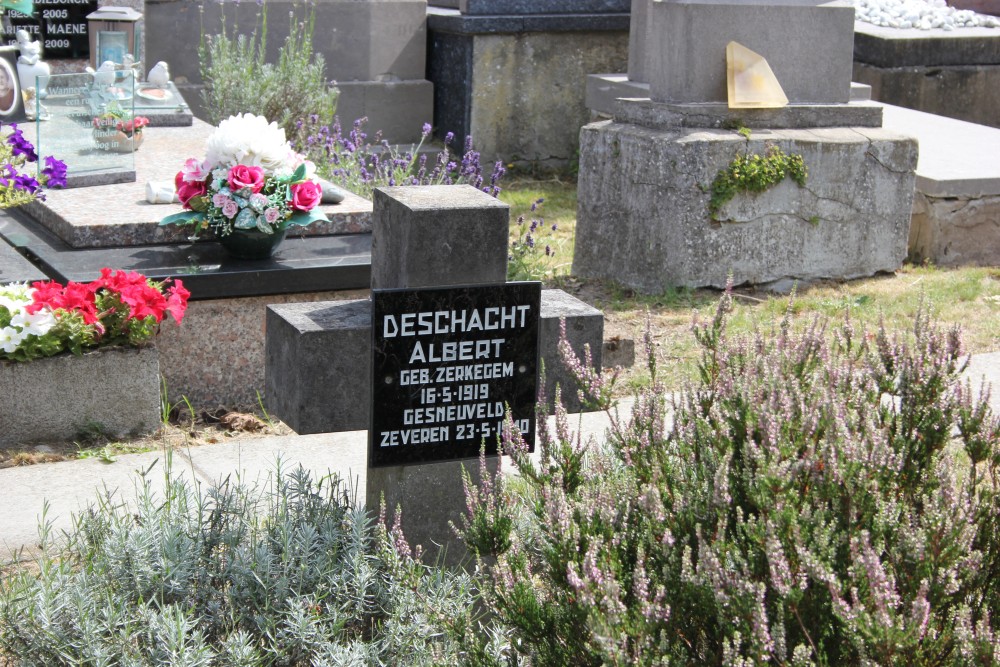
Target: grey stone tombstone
646,174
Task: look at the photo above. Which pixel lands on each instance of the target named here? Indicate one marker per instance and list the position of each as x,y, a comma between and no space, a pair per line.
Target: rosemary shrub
810,500
288,572
238,79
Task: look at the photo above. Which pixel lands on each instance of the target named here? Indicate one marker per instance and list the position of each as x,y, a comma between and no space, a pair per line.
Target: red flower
188,190
47,294
241,176
306,195
80,297
177,300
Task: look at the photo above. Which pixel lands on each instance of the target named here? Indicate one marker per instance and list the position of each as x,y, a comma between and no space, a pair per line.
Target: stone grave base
955,231
643,216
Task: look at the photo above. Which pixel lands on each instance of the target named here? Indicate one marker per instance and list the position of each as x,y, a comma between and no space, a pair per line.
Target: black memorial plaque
60,25
446,364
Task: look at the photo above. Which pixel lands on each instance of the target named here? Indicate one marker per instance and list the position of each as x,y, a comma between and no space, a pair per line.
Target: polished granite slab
301,263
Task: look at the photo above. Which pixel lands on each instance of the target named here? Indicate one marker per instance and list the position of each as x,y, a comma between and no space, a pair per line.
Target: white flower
249,140
37,324
10,338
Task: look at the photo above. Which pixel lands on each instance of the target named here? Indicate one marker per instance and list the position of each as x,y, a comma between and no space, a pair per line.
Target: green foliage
288,572
238,79
532,247
811,500
754,173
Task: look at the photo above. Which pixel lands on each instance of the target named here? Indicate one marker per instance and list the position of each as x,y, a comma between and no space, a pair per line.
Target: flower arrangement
119,308
117,130
17,185
250,179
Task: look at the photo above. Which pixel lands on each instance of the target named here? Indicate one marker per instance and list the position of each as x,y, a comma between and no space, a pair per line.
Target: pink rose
306,195
242,176
188,190
194,170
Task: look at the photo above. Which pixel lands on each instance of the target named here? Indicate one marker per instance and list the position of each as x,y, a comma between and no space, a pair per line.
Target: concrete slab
957,159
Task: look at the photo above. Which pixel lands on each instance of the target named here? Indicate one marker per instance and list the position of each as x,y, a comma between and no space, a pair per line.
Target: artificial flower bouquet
17,185
119,308
250,179
119,121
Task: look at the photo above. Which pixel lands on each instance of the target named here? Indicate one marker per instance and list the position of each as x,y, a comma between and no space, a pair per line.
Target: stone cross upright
319,358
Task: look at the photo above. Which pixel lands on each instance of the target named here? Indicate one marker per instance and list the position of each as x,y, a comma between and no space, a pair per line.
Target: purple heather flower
55,172
229,209
448,138
21,146
426,129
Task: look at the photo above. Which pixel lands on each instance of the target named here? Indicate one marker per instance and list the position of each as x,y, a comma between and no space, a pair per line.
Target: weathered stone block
539,76
463,230
318,359
643,215
956,231
115,390
686,47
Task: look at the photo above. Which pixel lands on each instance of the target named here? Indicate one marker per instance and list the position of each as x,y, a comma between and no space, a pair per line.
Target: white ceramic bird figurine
159,76
103,75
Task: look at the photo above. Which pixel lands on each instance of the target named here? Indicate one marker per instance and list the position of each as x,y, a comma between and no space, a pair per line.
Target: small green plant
744,132
755,173
238,79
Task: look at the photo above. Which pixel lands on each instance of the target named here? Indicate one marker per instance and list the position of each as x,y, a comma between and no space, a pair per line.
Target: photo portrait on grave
11,105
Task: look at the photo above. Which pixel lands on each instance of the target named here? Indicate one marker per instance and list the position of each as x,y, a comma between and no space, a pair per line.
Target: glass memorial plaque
447,363
85,120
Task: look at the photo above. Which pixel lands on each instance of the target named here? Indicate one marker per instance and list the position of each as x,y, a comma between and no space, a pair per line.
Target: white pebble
922,14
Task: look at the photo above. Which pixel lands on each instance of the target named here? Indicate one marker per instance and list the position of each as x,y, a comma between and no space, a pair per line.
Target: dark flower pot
251,243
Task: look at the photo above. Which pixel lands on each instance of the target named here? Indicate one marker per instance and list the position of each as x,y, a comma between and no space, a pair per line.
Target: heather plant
808,500
359,165
238,78
286,572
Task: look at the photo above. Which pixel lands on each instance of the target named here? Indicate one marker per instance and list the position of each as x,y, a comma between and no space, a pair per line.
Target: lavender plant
529,247
360,165
809,500
289,572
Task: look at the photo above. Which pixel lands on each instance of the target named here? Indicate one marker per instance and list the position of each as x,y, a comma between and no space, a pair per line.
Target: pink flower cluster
193,180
